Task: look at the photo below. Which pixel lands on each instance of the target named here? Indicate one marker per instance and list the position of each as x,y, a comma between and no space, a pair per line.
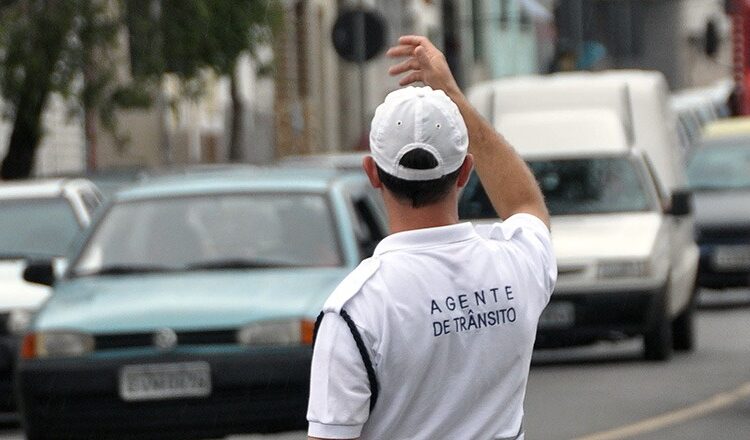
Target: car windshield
720,167
573,186
231,231
42,227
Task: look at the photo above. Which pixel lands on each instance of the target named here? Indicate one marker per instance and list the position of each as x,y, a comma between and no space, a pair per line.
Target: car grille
130,340
724,235
4,317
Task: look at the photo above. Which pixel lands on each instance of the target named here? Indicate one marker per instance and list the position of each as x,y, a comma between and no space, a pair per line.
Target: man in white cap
431,337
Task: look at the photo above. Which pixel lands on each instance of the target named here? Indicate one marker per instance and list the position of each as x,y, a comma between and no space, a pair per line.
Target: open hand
425,63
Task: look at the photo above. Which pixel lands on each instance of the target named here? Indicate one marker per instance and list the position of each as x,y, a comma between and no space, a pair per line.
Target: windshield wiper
239,263
124,269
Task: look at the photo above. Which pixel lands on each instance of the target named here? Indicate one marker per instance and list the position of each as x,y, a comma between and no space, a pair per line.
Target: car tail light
28,346
307,330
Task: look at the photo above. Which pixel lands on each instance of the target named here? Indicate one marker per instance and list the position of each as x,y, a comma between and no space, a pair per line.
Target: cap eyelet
437,125
399,123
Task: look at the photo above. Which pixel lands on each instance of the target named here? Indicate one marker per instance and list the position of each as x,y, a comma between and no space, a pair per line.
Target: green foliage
71,47
185,36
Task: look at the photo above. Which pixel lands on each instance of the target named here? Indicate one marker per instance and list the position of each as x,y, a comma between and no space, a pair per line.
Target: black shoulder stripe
374,388
317,326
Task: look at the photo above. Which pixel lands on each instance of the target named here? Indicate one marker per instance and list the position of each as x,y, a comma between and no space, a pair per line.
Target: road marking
712,404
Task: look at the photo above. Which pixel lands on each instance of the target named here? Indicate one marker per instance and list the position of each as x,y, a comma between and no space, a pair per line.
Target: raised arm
509,183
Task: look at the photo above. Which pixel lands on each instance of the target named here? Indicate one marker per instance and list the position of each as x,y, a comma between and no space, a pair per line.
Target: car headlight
56,344
19,321
623,269
277,332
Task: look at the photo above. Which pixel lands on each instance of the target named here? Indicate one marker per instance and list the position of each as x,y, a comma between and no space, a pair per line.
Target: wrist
453,92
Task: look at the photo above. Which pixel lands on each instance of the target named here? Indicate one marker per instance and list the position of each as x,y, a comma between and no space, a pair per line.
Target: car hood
721,208
218,299
15,293
604,236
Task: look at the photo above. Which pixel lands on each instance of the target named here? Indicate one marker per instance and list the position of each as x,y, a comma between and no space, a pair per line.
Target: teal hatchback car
189,309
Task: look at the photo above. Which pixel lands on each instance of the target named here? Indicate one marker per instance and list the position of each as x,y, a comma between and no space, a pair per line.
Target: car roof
37,188
570,133
270,179
350,161
729,127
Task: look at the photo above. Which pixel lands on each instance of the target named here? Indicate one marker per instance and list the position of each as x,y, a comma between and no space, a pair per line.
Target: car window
720,167
256,230
42,227
573,186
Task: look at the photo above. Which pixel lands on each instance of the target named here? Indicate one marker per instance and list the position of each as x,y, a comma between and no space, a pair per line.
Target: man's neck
403,217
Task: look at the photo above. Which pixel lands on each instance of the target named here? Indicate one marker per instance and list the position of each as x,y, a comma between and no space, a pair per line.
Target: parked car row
38,219
697,107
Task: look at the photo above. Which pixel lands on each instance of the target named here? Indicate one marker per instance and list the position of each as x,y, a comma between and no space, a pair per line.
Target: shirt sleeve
532,238
339,402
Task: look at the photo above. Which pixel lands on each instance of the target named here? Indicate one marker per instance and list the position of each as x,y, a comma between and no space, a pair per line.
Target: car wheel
683,327
657,341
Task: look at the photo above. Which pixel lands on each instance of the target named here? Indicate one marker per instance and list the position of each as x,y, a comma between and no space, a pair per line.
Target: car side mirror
40,272
682,203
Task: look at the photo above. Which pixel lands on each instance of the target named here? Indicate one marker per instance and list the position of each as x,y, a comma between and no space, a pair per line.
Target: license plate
557,315
732,257
165,381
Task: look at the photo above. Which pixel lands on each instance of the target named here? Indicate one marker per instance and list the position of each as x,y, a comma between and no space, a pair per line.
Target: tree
53,46
46,44
184,37
34,37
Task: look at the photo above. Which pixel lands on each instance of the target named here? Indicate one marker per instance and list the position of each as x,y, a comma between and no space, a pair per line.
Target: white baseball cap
413,118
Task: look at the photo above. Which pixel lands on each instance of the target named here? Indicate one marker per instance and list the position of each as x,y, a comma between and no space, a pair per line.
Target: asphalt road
606,392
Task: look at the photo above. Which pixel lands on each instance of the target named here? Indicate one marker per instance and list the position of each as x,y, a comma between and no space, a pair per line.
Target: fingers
400,51
415,76
404,66
407,44
416,48
414,40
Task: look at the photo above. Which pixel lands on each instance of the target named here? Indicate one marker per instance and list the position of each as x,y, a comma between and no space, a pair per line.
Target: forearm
507,180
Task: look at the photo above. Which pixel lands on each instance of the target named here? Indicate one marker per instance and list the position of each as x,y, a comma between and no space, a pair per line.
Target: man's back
448,318
431,338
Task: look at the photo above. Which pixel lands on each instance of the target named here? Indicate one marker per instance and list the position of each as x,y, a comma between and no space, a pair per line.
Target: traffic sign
359,35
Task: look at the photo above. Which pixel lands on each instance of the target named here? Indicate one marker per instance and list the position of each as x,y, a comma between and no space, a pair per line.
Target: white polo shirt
449,317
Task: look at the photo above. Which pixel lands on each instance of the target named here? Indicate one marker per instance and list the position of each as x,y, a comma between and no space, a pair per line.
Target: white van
605,152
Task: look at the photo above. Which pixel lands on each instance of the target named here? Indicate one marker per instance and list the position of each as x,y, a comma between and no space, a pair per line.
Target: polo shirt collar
416,238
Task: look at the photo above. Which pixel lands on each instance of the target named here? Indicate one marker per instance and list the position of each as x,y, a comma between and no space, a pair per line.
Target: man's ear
371,169
465,173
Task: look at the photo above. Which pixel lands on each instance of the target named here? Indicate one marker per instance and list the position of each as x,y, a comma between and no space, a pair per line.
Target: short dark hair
419,193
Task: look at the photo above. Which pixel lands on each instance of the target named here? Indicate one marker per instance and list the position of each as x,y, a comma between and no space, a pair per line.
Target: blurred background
181,190
102,84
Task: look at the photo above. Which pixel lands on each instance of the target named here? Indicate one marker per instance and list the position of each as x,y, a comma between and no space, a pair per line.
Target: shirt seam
409,248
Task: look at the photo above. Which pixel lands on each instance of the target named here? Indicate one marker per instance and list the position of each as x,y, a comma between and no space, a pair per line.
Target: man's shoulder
511,227
351,285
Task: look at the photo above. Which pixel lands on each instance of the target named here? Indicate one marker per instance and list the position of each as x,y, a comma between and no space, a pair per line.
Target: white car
38,219
605,151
